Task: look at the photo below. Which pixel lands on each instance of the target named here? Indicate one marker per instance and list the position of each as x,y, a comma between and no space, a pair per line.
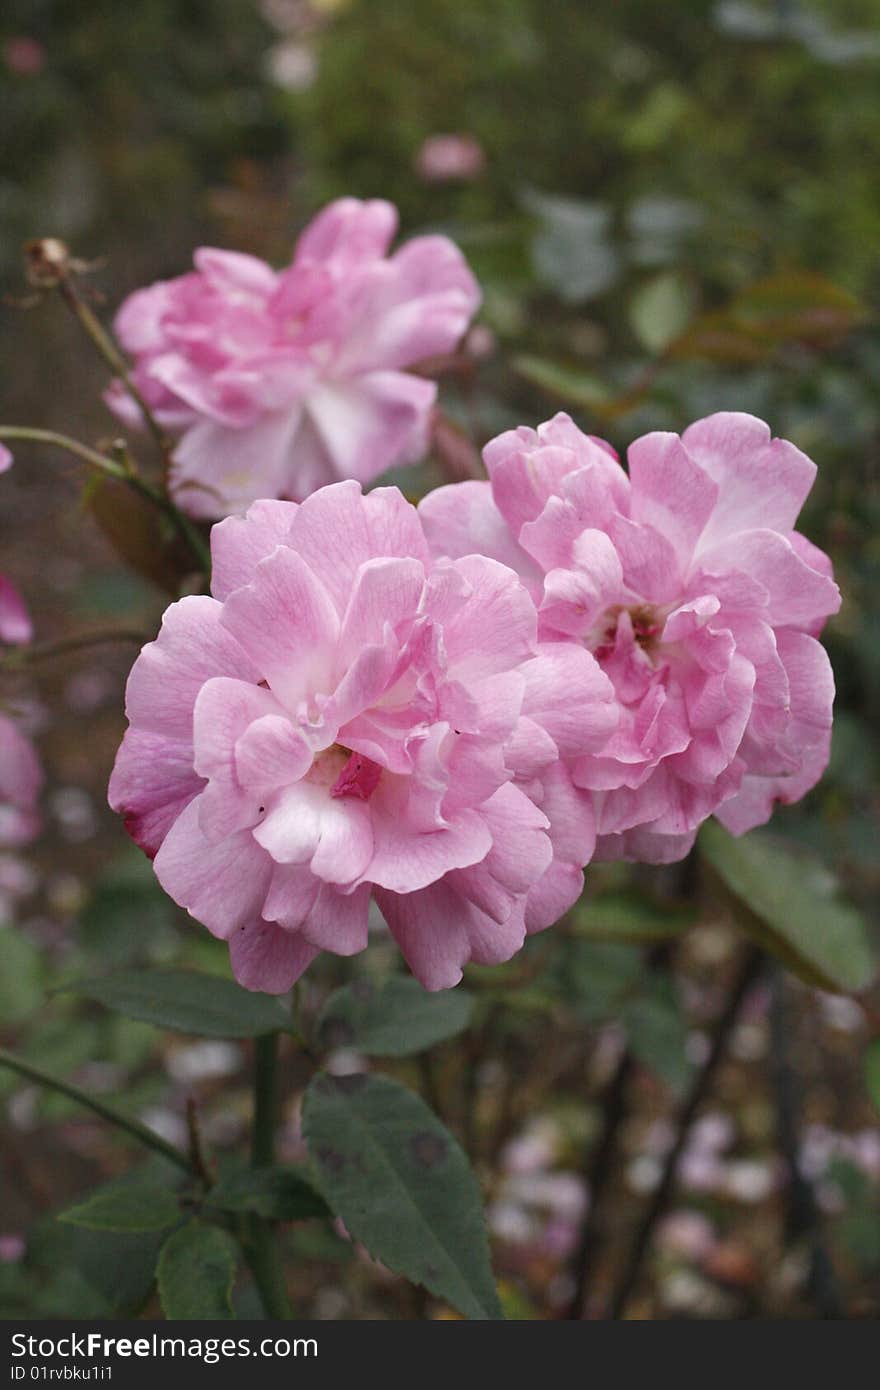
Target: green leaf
572,252
402,1185
569,384
21,978
278,1194
196,1272
657,1031
630,916
660,310
135,1207
872,1071
394,1019
187,1001
784,901
599,977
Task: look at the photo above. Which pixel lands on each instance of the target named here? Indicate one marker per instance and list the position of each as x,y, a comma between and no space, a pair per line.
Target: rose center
359,777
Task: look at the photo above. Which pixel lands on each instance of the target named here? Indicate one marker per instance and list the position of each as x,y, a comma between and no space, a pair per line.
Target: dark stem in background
749,970
597,1172
599,1157
803,1220
260,1243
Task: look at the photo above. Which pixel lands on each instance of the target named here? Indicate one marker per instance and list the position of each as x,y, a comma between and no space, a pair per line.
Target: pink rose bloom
345,718
280,382
701,603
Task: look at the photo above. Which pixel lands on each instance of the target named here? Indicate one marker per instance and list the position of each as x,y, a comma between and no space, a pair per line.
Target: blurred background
673,209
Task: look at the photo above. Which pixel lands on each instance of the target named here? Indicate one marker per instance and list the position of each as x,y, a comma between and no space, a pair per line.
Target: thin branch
197,1156
124,472
19,657
72,446
749,970
113,1117
597,1172
803,1220
110,353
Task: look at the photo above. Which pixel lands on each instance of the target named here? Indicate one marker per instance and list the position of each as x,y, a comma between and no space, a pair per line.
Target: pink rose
347,719
701,603
280,382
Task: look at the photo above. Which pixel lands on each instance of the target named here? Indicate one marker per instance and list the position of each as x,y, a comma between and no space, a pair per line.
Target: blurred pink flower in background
21,779
15,623
444,158
701,603
24,56
346,718
280,382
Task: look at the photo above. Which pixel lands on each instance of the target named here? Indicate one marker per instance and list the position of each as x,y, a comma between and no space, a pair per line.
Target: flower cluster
349,718
280,382
701,603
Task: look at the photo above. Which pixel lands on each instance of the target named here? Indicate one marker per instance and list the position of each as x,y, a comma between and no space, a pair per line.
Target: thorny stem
66,1088
262,1249
123,472
108,350
750,968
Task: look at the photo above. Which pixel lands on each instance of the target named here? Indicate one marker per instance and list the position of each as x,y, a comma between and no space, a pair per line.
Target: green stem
66,1088
124,473
110,353
262,1248
64,441
265,1100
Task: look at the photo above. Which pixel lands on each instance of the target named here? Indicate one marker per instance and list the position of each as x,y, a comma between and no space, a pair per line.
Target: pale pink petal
286,622
15,624
192,646
222,885
761,483
267,958
337,529
463,519
385,592
339,922
216,469
495,628
234,271
152,782
371,422
799,595
238,544
670,492
349,231
570,697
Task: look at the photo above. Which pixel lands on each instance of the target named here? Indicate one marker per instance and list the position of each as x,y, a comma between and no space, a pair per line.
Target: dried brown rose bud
47,261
